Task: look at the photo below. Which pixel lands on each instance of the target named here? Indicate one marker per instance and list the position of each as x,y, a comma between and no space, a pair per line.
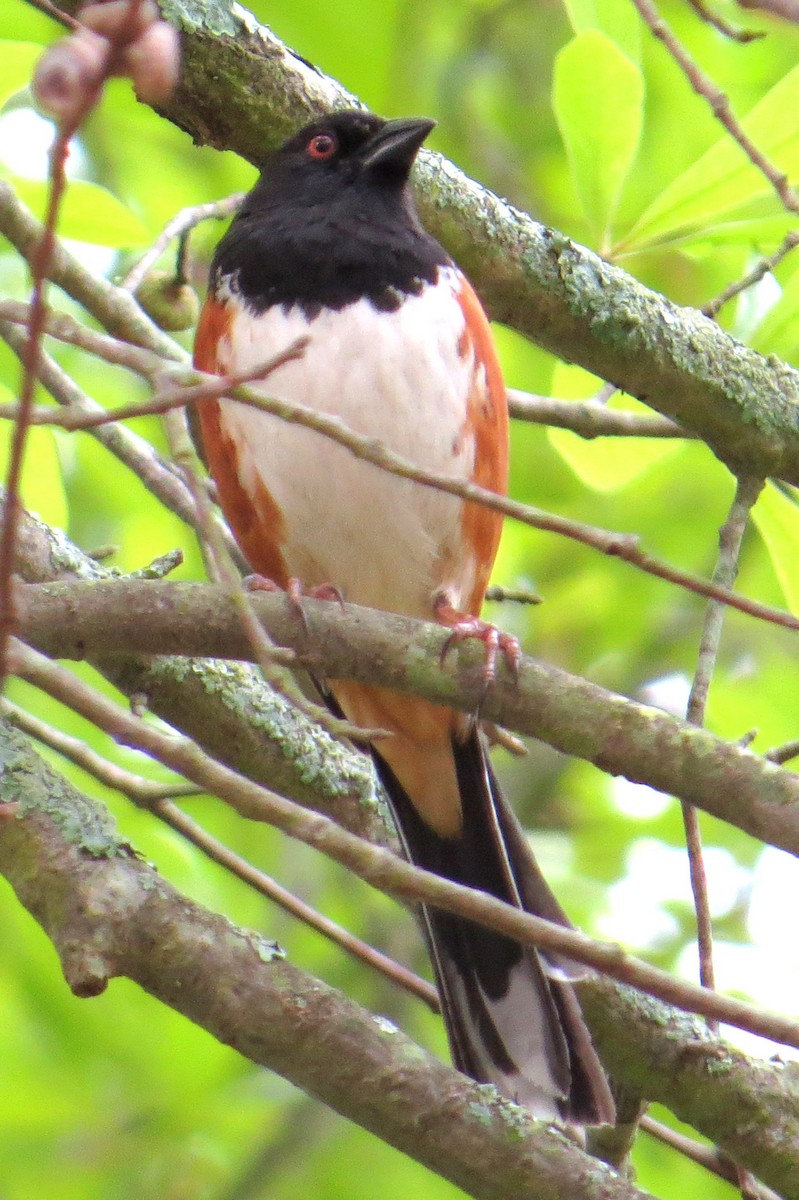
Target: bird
329,245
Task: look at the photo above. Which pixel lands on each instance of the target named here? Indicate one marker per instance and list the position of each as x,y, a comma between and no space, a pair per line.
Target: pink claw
495,641
296,592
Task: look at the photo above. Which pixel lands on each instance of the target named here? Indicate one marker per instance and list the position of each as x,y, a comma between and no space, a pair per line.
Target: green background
578,116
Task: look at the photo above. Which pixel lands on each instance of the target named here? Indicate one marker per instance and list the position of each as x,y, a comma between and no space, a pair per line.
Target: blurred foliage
577,115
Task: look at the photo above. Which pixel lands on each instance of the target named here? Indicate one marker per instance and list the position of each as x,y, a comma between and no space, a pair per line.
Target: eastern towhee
328,244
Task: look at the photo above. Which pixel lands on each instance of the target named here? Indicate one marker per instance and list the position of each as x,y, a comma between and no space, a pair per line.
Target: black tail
512,1018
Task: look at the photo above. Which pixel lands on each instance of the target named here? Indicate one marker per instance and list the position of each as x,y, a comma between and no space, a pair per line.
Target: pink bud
67,77
119,20
153,62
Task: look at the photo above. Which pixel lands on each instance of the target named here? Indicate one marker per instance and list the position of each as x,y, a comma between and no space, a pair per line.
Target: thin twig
263,883
147,362
719,103
726,569
143,792
157,475
380,868
729,31
758,272
282,1149
30,360
40,266
589,418
51,10
783,754
113,308
179,225
788,10
504,595
709,1157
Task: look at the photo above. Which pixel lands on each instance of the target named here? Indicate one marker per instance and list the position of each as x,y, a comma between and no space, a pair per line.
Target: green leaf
89,213
42,488
762,234
598,98
604,464
777,519
723,179
18,59
617,18
778,332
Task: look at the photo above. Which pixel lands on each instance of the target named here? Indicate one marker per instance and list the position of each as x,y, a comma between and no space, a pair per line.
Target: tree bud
67,76
153,63
119,20
174,306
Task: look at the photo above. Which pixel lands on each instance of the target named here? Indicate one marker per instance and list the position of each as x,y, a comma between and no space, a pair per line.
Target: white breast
385,542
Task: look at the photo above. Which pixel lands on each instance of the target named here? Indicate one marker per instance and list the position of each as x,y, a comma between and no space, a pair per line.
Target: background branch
243,89
747,1106
123,919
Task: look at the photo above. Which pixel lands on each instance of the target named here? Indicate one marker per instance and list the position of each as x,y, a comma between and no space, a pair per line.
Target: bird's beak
395,146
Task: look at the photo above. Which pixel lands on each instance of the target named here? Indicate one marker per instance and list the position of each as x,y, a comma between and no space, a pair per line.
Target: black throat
296,244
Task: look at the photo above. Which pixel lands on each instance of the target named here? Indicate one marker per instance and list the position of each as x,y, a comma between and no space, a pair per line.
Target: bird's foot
465,626
296,592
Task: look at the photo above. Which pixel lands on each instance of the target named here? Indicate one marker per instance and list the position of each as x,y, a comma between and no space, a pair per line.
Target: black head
332,220
350,149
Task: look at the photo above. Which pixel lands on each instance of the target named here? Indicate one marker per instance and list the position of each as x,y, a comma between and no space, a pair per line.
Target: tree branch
109,914
575,716
748,1107
225,707
195,386
120,918
378,867
243,89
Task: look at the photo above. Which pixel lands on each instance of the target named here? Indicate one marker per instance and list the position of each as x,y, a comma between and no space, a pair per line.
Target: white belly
383,541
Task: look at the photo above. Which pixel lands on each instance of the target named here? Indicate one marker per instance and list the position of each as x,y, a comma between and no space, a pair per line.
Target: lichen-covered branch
109,914
242,89
224,707
748,1107
575,716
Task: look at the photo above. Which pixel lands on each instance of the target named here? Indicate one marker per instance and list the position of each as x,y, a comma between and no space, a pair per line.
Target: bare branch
571,714
725,573
380,868
718,22
171,815
184,221
748,1107
123,919
719,104
758,272
616,545
705,1156
590,419
157,475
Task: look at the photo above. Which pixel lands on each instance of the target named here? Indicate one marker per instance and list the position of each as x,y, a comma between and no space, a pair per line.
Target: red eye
322,145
